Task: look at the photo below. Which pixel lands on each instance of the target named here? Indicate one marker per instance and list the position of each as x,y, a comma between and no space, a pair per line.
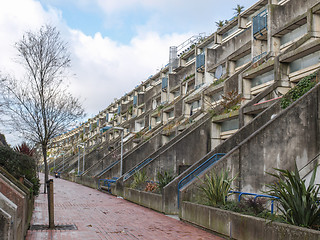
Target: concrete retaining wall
17,202
5,225
146,199
84,180
11,209
239,226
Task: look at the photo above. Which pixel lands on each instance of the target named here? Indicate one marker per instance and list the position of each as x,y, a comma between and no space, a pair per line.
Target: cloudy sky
114,44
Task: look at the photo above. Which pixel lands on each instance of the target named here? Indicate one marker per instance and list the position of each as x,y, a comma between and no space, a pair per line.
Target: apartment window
242,61
266,77
231,31
191,57
230,125
158,119
305,62
170,114
216,97
293,35
139,125
176,94
195,105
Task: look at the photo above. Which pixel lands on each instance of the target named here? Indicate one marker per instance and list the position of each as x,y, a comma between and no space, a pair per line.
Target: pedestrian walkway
99,215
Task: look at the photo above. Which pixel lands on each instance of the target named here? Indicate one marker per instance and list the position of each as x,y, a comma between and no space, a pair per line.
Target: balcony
260,25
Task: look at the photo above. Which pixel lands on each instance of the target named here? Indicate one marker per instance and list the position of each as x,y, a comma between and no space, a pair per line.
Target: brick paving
99,215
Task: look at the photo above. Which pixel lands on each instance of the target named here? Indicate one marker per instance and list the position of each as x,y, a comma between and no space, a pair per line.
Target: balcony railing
135,100
260,22
257,58
164,84
200,61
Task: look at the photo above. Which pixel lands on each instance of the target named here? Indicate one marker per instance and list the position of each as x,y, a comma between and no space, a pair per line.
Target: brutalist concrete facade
179,117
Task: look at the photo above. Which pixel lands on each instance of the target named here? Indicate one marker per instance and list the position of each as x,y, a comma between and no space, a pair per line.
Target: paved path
101,216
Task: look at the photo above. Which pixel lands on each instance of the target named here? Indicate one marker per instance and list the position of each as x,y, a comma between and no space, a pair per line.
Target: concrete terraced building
219,94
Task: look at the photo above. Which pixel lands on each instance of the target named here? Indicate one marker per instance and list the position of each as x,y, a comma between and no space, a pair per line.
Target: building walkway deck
101,216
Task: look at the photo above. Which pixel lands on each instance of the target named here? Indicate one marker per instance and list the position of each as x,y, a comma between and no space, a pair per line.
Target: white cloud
104,68
107,70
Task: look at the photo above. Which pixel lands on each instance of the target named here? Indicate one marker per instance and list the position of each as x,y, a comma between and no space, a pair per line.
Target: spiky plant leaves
216,187
164,178
139,178
299,203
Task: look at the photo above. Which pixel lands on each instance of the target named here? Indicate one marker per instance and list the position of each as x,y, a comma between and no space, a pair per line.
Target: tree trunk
46,178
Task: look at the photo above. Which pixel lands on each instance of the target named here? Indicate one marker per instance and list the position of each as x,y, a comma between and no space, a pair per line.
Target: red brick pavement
101,216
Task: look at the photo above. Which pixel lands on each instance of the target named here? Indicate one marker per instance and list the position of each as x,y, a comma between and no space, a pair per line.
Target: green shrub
139,180
303,86
216,187
164,179
20,165
299,203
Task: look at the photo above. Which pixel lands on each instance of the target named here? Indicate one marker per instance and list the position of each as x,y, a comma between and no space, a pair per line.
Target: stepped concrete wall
291,136
19,195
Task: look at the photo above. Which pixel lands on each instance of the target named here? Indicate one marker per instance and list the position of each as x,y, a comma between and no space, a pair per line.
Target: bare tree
39,105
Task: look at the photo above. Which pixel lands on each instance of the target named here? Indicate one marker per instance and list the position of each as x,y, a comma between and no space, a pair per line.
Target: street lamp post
83,159
63,161
122,133
121,156
78,159
84,152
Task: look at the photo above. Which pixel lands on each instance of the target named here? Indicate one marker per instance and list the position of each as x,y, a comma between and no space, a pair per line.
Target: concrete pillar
242,22
313,23
258,47
217,38
215,135
230,67
244,88
281,76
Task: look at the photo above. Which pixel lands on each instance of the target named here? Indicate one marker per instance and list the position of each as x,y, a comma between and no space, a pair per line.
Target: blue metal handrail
108,181
196,172
109,167
257,58
141,165
260,22
256,196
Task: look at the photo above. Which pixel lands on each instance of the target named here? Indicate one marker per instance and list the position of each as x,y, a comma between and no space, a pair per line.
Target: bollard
50,203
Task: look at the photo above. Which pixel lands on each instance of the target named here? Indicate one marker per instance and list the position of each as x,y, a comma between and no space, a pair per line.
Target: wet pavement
97,215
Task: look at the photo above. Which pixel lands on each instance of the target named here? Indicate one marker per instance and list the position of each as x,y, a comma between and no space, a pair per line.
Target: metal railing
164,83
137,168
257,58
135,100
200,60
256,196
260,22
196,172
106,183
109,167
